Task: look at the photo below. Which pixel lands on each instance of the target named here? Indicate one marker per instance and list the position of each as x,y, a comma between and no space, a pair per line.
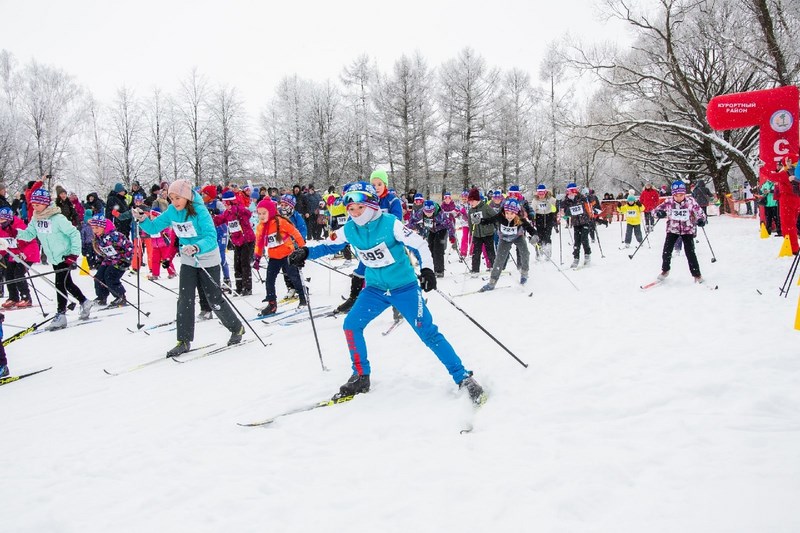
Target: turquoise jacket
380,246
201,225
58,236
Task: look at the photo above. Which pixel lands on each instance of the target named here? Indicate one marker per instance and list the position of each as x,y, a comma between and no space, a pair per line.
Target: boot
356,284
574,263
663,275
9,304
475,391
59,322
86,308
119,301
3,371
25,302
355,385
270,309
205,315
587,260
488,287
100,301
180,348
236,337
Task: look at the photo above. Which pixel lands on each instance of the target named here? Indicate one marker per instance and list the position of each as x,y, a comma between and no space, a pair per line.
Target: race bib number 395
376,257
184,229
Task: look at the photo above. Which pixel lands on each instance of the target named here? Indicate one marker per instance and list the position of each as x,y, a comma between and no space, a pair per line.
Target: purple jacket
239,228
682,217
440,221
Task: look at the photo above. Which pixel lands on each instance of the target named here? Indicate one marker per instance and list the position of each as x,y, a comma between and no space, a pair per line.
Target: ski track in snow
672,409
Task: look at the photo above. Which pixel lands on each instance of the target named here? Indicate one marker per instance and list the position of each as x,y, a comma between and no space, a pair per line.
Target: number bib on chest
341,220
12,242
631,213
681,215
234,226
376,257
428,223
542,206
272,240
508,230
184,229
108,250
576,210
43,226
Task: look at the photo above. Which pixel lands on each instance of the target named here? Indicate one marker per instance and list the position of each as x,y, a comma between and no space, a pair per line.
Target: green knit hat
380,175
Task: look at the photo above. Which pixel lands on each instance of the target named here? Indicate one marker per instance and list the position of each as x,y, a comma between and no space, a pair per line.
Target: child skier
482,229
61,243
3,360
684,216
276,236
633,217
19,295
544,207
435,226
161,250
379,240
286,208
237,217
511,231
116,253
579,214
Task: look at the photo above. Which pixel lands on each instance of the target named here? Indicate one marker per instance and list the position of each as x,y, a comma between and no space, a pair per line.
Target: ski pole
70,305
214,282
646,237
560,246
563,274
139,309
330,268
713,257
29,277
503,346
140,253
38,300
164,287
597,236
787,283
32,328
305,290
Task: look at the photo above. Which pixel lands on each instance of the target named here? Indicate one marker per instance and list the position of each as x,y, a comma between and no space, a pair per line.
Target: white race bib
508,230
681,215
43,226
341,220
108,251
632,213
427,222
272,240
542,206
184,229
576,210
12,242
234,226
376,257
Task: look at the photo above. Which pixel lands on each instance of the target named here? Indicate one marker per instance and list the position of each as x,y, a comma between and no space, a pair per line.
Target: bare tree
158,131
130,148
195,119
229,134
358,77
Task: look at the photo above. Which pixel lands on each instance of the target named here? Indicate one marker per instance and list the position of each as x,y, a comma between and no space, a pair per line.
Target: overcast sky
251,45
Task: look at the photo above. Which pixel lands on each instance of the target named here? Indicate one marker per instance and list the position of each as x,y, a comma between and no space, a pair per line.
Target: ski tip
109,373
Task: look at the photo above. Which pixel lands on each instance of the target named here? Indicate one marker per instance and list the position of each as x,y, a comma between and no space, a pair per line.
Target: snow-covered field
670,410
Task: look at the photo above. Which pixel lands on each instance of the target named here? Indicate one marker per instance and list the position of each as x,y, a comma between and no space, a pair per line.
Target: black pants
688,248
648,220
190,279
771,215
274,267
477,245
242,264
544,227
19,289
437,242
107,280
64,286
581,236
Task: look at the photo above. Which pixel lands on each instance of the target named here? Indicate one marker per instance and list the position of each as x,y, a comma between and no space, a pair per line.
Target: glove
661,214
427,279
475,218
257,262
115,212
534,239
453,245
138,215
298,257
165,263
189,249
71,261
701,222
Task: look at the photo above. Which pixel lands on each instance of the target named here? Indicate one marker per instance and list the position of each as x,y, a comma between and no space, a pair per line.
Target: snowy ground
670,410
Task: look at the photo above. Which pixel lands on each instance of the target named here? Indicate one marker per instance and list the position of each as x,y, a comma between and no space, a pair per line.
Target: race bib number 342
376,257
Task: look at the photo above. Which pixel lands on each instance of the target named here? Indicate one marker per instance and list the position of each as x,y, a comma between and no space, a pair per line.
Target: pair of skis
657,282
192,355
11,379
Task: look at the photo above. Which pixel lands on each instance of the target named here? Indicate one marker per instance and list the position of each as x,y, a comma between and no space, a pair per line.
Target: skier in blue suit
379,241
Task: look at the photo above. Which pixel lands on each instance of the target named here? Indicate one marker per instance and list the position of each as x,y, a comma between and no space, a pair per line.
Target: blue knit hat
98,221
541,188
572,187
511,204
228,196
678,187
513,188
429,206
289,199
6,213
41,196
118,188
418,197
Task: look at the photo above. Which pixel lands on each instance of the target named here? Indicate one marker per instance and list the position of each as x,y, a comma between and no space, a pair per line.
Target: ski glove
661,214
298,257
427,280
165,263
475,218
701,222
256,262
189,250
71,261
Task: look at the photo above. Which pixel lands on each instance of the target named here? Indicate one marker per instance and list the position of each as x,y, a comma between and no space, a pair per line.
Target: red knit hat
270,206
474,194
210,191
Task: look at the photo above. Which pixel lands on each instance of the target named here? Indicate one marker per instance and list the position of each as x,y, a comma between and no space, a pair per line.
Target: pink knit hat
182,188
270,206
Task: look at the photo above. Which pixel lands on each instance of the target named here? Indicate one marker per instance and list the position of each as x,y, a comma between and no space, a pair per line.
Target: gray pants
190,278
503,250
637,229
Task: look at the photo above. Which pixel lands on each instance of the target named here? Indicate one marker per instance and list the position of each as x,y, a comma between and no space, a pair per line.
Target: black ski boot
236,337
356,284
270,309
180,348
475,391
355,385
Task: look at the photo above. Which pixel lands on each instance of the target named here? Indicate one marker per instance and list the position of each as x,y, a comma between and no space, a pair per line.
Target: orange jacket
280,243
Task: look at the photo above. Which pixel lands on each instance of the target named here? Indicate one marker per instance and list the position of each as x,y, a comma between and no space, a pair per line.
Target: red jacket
29,249
237,214
649,198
